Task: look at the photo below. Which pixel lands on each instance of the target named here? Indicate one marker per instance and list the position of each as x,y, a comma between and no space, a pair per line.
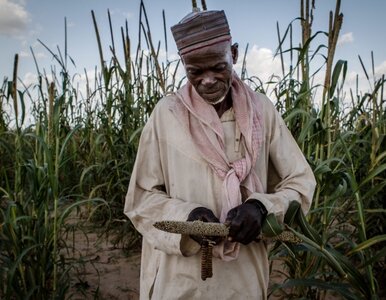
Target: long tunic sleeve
170,179
288,175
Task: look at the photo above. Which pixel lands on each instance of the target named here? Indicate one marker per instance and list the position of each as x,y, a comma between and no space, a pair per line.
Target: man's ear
235,52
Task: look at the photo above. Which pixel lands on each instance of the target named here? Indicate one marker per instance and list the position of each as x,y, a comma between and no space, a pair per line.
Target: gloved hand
206,215
245,221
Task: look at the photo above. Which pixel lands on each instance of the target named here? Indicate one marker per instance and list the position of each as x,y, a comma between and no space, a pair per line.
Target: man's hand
206,215
245,221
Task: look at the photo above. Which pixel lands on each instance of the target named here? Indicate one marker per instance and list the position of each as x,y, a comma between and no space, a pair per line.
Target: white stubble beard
218,101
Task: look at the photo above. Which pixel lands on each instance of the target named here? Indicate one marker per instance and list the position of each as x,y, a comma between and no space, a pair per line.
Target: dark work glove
206,215
245,221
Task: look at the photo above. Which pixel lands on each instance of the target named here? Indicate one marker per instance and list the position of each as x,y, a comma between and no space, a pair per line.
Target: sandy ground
106,272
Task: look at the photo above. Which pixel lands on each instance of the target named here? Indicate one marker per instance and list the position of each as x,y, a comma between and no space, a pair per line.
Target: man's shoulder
166,103
165,107
264,102
167,99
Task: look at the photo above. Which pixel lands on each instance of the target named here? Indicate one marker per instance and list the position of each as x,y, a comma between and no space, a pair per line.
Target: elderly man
214,151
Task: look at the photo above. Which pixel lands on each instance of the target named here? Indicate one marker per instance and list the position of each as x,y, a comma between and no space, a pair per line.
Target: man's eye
220,68
194,71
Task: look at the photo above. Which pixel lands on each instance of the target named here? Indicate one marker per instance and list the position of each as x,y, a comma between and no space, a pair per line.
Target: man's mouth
211,92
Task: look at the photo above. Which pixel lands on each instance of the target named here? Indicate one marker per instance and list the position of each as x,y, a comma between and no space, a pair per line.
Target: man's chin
212,100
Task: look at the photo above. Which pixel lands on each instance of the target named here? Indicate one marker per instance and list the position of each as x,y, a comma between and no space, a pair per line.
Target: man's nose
208,80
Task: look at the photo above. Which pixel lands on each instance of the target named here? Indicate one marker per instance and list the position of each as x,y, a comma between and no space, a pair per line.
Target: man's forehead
200,29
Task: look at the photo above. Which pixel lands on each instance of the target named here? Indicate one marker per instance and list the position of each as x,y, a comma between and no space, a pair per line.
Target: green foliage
345,251
79,151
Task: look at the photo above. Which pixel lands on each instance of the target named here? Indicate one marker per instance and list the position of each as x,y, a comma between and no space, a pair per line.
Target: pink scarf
204,125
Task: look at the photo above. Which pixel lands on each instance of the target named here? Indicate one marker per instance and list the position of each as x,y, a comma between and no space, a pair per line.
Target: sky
253,22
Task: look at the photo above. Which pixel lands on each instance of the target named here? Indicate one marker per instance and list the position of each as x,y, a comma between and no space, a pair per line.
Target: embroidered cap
200,29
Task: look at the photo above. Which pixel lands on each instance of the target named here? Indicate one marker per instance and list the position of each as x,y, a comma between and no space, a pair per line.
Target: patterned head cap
200,29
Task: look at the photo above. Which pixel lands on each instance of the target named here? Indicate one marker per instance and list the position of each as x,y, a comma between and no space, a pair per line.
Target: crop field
75,160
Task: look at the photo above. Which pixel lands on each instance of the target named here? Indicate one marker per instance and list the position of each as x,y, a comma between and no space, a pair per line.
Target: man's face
209,70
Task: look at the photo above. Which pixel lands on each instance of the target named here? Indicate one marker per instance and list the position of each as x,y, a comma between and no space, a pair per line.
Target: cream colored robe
170,179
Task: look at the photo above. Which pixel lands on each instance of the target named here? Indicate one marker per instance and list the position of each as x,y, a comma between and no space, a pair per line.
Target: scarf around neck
204,126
